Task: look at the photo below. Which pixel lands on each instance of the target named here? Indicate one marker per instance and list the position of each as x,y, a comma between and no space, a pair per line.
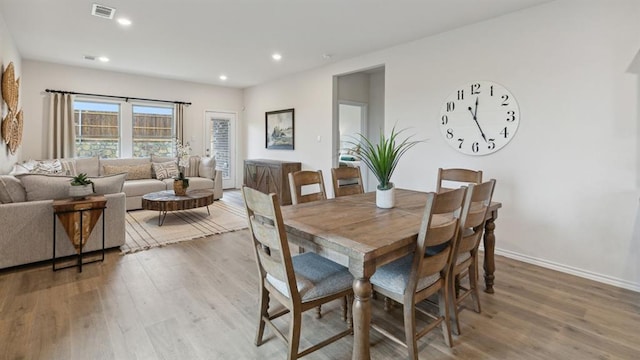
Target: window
153,131
97,129
123,129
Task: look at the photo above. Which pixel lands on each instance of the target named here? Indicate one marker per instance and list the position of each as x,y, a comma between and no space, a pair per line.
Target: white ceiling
198,40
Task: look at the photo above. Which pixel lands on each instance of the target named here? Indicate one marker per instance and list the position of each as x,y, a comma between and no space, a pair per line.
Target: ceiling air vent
102,11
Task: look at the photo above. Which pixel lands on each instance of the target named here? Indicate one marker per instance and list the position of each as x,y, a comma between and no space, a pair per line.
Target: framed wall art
279,133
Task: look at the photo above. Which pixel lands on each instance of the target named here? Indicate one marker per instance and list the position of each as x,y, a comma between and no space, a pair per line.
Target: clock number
475,89
451,106
512,116
505,100
504,132
492,144
491,90
460,94
449,133
445,119
475,147
461,142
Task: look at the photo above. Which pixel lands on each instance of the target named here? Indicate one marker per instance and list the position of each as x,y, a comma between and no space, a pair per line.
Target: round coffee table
167,200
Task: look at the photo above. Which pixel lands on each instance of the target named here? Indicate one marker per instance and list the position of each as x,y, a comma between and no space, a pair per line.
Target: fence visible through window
100,128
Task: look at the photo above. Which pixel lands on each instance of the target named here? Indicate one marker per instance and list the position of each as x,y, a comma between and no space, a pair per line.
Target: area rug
143,232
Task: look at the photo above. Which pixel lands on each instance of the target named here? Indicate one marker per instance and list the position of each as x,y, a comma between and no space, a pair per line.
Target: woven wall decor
13,123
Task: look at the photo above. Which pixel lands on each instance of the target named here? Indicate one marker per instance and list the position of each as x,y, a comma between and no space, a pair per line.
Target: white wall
567,180
9,53
39,76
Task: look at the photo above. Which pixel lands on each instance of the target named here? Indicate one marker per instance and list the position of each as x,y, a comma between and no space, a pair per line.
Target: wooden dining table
369,237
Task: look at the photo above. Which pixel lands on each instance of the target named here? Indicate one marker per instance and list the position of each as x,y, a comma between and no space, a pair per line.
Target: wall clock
479,118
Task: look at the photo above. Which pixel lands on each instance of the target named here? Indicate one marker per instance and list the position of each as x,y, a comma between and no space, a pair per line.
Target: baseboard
570,270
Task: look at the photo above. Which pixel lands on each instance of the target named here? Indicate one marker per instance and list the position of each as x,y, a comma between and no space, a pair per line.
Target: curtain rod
125,98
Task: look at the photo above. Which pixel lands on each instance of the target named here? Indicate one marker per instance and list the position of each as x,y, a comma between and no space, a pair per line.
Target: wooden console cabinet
270,176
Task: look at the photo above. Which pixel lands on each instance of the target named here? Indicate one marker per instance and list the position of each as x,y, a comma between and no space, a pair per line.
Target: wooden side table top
168,201
89,202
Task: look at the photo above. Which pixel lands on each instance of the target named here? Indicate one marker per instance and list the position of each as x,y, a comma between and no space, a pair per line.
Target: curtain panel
61,135
180,122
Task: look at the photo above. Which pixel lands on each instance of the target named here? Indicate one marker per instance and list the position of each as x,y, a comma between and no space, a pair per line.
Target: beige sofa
201,174
26,219
141,177
26,212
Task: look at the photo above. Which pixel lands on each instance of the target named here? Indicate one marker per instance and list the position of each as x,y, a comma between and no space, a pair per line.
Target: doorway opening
358,109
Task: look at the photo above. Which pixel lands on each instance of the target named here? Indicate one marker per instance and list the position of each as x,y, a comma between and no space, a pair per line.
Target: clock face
479,118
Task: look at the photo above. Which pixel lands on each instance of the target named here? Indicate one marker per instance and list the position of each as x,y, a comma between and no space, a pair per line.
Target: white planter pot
386,199
80,191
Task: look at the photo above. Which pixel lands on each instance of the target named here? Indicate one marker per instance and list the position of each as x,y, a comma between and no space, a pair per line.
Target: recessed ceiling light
223,77
276,57
103,59
124,21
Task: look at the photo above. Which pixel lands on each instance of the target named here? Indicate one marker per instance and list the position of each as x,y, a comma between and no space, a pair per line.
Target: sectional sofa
26,196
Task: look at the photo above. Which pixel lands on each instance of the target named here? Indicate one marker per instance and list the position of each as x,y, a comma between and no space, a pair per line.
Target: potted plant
81,186
382,159
180,184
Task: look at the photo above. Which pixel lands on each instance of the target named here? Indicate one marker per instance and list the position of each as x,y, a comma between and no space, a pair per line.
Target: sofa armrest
27,231
217,184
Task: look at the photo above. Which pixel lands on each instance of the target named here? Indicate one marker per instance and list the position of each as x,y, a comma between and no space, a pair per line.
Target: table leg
208,212
361,318
489,259
161,216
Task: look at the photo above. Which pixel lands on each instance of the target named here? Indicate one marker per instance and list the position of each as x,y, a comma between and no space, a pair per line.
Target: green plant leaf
383,157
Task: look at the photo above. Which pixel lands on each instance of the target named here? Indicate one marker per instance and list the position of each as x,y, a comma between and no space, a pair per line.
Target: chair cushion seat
395,276
316,277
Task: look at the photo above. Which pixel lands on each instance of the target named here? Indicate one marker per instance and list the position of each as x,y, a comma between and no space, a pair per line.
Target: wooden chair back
459,177
430,270
276,267
472,224
347,180
300,183
465,259
270,244
438,232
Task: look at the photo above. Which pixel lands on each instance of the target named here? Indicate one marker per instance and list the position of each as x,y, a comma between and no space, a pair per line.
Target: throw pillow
11,190
45,187
166,170
193,169
109,184
207,168
48,167
134,172
160,159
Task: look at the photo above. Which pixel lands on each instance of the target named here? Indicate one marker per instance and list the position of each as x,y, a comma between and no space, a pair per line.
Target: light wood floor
197,300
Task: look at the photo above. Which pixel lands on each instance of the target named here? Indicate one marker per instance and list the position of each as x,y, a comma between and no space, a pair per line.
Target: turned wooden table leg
489,259
361,318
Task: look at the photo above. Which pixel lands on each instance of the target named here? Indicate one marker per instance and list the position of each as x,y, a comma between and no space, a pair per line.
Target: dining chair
465,264
302,183
457,176
347,180
417,276
299,282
